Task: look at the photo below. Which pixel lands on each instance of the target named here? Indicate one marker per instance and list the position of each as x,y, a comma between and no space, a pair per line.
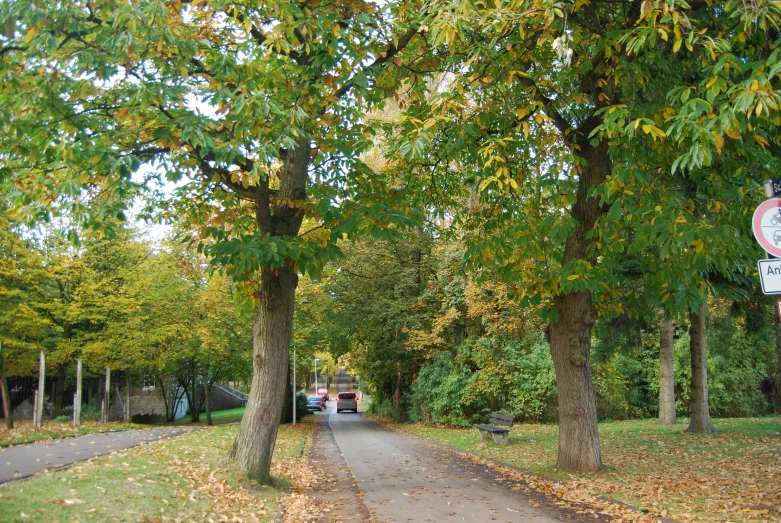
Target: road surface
22,461
381,475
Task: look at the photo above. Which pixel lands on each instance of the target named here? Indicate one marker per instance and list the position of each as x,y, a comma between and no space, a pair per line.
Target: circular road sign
767,225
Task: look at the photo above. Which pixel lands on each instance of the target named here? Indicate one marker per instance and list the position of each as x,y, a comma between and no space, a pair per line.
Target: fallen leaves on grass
734,475
227,502
727,476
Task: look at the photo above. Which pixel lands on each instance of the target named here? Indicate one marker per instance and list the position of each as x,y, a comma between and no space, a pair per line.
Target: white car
346,401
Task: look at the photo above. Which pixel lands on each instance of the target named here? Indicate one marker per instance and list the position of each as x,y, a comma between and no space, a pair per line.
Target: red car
322,391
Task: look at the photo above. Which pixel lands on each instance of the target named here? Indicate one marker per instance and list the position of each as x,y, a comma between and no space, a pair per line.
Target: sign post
779,310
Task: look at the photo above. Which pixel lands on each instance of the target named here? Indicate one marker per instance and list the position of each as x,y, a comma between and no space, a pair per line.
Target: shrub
382,406
441,394
301,405
91,411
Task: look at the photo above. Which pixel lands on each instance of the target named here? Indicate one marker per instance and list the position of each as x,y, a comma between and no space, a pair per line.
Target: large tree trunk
570,335
570,345
666,374
254,445
700,411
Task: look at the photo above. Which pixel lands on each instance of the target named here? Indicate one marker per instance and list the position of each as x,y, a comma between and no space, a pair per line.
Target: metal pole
315,376
769,195
294,385
107,396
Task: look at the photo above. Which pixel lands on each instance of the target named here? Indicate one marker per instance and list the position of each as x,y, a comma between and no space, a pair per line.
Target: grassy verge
734,475
219,417
183,479
24,432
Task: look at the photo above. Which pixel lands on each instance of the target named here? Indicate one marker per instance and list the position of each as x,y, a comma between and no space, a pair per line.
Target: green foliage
301,403
533,394
91,411
383,406
739,368
441,394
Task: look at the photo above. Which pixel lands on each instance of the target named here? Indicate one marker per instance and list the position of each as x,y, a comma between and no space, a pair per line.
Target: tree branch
390,51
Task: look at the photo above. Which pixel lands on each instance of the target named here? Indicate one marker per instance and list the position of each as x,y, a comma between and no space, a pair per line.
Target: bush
382,406
440,394
533,392
301,405
91,411
63,419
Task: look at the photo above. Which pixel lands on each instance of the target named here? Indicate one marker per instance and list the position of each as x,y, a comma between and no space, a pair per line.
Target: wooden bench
500,435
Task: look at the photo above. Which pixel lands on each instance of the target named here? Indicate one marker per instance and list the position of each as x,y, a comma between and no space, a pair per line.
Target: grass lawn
734,475
24,432
219,417
183,479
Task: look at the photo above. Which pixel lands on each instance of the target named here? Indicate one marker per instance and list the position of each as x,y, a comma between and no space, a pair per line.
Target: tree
23,325
253,109
566,118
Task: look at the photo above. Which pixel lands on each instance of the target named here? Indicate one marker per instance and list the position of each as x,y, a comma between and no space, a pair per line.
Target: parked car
346,401
322,391
315,403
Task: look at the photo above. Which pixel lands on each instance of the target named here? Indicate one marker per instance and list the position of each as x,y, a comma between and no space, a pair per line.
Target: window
148,383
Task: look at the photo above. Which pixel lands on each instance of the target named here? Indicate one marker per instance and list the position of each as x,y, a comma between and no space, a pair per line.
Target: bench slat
502,419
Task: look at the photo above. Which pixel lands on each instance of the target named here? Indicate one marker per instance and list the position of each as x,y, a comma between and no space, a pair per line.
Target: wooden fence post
77,399
38,422
9,416
127,396
107,396
35,409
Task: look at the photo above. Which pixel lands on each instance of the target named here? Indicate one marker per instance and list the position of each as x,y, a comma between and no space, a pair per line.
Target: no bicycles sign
767,226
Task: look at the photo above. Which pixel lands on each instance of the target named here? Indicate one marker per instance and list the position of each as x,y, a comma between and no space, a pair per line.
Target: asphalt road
22,461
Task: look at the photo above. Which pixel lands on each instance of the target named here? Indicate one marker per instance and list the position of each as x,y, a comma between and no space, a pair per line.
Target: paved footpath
375,475
22,461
